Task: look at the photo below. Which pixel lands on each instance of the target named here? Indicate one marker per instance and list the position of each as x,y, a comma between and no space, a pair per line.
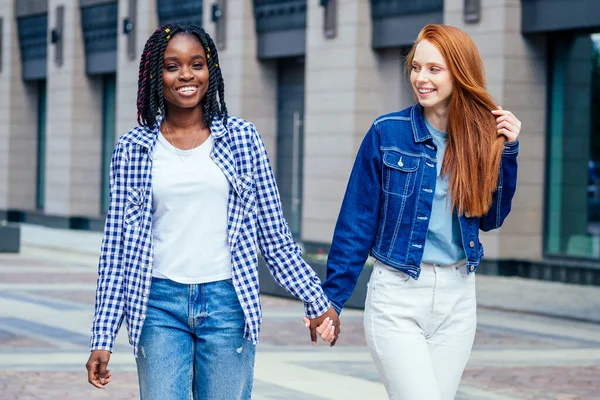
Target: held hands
507,124
327,326
98,375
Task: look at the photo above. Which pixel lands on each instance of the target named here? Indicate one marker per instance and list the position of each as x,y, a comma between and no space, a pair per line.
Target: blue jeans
192,344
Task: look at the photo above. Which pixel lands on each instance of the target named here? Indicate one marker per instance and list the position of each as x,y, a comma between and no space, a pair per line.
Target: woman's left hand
507,124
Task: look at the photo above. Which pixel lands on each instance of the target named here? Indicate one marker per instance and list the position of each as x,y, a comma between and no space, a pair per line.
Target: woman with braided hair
192,195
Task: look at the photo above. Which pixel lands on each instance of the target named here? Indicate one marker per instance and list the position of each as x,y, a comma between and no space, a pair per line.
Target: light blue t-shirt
443,244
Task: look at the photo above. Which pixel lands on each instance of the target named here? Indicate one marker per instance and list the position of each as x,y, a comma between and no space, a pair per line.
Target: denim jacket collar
420,131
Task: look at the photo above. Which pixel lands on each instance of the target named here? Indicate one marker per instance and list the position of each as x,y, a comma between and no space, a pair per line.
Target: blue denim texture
387,205
192,343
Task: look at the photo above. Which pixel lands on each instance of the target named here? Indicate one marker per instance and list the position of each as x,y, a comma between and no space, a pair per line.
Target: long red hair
474,148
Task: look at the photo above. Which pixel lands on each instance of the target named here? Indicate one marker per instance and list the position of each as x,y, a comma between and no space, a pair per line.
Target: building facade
312,75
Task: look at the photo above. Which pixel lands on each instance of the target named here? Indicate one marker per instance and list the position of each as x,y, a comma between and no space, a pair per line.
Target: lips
425,92
188,90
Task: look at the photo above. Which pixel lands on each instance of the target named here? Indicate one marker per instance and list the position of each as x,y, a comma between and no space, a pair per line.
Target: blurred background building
312,75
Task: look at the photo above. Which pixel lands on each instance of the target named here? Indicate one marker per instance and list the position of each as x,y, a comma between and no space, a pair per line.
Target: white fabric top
189,215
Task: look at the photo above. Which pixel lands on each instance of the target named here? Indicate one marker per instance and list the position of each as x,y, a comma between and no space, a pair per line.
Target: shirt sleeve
357,223
505,191
109,291
279,250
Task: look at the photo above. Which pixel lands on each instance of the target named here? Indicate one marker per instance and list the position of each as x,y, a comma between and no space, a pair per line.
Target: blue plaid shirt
254,217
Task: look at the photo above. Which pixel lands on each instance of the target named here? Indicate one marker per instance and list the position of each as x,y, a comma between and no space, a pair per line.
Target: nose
186,74
422,76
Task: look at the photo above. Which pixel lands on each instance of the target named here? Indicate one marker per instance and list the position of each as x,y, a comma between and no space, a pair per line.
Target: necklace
181,152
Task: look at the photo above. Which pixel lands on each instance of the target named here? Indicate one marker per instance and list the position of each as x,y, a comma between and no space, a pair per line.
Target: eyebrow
430,63
174,58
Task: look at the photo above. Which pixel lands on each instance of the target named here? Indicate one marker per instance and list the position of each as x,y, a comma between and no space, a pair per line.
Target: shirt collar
146,137
217,128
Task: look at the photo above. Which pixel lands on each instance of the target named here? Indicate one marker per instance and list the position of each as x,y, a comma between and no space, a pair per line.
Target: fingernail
102,381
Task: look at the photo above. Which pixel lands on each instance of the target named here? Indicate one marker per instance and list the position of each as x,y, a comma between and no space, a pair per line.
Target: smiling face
185,74
430,78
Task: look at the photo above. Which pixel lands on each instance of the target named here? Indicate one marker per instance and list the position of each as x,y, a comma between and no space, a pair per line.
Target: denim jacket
388,200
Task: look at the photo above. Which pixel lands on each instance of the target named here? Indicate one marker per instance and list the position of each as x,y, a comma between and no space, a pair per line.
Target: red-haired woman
425,181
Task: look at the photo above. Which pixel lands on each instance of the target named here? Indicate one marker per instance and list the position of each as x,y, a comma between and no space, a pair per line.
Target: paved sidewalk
504,293
72,241
46,307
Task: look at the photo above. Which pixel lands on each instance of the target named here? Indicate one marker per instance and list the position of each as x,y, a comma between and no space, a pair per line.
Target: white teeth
187,89
426,90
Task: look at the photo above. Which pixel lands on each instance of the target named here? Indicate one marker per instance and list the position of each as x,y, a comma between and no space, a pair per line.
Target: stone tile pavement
503,293
46,305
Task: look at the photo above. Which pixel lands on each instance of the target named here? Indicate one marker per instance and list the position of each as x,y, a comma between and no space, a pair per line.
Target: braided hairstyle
150,101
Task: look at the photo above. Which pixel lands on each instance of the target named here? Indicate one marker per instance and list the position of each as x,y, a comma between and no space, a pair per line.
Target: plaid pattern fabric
254,218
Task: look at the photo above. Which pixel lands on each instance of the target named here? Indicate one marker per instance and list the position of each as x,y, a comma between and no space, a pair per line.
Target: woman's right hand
326,330
98,375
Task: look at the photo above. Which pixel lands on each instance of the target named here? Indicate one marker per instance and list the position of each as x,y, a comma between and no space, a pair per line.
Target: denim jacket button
471,268
467,214
471,244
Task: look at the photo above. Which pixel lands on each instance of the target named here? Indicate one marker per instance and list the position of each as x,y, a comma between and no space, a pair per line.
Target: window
180,11
573,180
41,146
108,135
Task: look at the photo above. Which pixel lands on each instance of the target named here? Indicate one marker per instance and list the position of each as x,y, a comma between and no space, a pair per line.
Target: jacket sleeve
357,223
507,185
109,291
277,246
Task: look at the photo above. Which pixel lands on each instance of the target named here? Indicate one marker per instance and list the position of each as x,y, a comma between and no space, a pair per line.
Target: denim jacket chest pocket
399,173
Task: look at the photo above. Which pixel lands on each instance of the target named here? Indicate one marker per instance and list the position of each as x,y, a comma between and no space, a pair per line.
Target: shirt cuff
337,308
317,307
102,342
511,147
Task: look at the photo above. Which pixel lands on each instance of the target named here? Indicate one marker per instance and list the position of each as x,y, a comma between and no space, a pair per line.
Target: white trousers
420,333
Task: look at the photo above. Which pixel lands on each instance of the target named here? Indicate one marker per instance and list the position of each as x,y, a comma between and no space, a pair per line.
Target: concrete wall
73,125
395,88
146,21
18,122
341,102
250,84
